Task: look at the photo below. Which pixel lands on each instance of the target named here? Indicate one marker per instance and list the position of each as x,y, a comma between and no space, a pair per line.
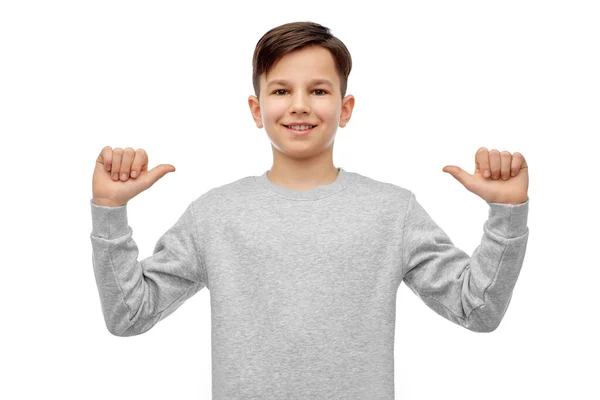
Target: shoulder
225,197
377,189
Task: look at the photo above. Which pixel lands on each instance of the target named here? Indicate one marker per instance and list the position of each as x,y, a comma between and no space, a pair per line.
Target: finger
505,161
128,155
158,172
116,164
140,161
518,161
495,163
482,162
105,157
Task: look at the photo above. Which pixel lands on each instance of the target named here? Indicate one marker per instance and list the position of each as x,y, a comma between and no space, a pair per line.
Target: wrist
107,202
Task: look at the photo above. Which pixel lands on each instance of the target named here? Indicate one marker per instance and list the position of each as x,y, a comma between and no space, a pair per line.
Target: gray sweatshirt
303,283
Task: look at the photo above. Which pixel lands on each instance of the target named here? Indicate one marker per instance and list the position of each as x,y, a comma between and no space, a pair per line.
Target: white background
433,81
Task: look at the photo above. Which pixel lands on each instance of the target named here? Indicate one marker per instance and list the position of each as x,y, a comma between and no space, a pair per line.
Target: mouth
301,132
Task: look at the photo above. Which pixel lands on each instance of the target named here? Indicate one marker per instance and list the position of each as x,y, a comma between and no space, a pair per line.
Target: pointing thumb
158,172
458,173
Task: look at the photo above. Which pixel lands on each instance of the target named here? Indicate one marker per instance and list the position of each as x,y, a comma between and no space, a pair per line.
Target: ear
347,107
254,105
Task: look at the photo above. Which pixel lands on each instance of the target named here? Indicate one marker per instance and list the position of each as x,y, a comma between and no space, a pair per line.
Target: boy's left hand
507,183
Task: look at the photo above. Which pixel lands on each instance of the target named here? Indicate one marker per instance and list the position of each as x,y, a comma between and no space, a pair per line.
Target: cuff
508,220
109,222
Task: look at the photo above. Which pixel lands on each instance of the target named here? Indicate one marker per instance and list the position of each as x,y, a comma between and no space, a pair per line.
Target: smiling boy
302,89
303,262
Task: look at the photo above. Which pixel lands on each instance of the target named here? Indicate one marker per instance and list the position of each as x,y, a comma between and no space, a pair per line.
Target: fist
499,177
120,175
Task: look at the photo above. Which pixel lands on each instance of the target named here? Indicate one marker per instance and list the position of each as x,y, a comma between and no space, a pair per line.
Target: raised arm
474,291
134,294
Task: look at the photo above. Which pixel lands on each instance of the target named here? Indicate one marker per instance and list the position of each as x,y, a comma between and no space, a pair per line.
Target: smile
303,131
300,127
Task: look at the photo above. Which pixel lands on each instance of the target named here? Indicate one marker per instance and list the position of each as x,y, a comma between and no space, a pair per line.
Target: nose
300,104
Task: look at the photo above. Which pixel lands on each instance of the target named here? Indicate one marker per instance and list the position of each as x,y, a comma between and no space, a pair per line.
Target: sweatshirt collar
342,180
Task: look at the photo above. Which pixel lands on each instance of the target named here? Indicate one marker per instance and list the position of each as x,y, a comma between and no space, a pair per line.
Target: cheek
328,113
272,113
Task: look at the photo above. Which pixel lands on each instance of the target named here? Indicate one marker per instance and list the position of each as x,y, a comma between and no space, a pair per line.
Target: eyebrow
313,81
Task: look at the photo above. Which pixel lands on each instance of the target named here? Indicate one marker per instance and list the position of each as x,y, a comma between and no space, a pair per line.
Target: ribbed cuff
109,222
508,220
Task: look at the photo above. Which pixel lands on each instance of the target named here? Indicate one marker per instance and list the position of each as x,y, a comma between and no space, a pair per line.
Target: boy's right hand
120,175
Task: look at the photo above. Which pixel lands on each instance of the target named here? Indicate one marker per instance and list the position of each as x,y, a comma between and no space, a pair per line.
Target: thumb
158,172
458,173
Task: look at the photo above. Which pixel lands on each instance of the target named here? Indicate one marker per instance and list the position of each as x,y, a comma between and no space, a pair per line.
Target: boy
303,262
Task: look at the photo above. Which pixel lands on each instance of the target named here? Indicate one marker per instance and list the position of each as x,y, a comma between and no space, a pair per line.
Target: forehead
310,64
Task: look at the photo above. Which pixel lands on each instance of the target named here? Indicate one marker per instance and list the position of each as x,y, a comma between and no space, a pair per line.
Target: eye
285,90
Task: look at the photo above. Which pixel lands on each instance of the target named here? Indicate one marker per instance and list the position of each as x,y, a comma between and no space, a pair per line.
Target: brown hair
292,36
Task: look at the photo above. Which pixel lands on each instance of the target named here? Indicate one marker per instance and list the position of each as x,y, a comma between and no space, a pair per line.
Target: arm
135,295
475,291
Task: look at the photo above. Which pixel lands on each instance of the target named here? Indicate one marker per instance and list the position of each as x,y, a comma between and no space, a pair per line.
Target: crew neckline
342,179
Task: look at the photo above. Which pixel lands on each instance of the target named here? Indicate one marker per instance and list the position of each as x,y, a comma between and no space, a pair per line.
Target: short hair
292,36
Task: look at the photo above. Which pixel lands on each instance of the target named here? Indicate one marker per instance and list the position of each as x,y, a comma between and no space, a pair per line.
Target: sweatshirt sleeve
135,295
475,291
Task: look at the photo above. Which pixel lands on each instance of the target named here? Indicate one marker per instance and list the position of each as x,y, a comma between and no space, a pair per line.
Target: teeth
300,127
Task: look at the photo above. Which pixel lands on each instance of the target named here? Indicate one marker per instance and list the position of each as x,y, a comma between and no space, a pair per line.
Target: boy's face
301,99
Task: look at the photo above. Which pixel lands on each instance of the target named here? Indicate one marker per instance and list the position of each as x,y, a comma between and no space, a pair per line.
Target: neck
302,174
